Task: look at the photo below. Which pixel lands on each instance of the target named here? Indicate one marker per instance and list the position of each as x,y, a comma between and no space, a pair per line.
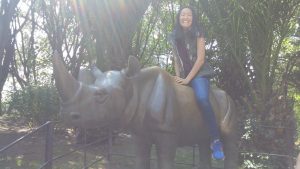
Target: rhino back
164,105
155,101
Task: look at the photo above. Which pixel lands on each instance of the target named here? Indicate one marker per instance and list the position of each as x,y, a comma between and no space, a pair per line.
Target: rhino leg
204,154
142,151
166,150
231,151
230,137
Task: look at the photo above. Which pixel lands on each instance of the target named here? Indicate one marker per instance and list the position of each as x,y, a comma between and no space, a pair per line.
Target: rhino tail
228,120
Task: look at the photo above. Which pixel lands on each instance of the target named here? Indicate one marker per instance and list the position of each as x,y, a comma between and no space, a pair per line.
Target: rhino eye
101,95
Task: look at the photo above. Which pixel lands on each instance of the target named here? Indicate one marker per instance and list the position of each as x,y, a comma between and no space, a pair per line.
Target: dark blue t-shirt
187,50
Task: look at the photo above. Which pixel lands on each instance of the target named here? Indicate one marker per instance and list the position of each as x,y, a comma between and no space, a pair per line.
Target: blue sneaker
217,150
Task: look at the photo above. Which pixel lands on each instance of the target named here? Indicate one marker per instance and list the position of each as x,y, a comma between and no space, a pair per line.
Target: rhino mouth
77,120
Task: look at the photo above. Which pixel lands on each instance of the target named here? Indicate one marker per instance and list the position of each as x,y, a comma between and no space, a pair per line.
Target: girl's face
186,18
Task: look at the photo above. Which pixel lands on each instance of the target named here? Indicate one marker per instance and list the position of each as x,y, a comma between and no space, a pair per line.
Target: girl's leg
201,87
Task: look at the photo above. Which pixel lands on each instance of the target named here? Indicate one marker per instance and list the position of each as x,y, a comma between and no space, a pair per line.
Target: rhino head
98,104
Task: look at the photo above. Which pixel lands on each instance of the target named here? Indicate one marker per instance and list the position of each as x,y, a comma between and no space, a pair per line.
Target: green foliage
297,105
297,113
253,54
18,163
37,104
249,44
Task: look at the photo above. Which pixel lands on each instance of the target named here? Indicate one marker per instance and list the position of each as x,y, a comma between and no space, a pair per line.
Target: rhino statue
148,103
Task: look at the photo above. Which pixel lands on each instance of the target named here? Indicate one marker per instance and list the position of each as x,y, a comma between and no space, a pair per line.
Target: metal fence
48,143
49,157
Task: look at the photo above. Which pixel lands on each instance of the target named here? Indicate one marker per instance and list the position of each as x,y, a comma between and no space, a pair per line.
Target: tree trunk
112,24
7,11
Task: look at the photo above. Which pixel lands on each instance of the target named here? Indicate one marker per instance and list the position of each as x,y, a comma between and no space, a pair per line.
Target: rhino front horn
65,83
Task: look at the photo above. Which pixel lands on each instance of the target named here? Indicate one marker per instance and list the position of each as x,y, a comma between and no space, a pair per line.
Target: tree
252,45
7,12
250,37
112,24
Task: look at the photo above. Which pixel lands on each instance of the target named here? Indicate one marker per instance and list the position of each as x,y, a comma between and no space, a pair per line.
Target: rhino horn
65,83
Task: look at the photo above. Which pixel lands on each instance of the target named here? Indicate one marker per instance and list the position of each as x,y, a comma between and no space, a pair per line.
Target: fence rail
48,146
49,159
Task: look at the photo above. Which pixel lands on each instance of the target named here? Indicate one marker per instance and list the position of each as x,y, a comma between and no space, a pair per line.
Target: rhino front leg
142,152
166,150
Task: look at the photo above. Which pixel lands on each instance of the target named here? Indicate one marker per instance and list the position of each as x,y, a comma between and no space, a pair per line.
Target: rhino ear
134,66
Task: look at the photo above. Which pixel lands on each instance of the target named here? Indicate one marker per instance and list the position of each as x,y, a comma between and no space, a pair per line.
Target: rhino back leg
230,137
204,154
231,152
231,149
142,152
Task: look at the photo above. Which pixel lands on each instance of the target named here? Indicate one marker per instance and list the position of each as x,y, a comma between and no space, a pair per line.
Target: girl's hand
181,80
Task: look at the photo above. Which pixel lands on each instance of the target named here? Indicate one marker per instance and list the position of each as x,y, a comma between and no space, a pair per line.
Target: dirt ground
30,153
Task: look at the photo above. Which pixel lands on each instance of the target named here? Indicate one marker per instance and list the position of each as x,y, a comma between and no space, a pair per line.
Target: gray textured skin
151,105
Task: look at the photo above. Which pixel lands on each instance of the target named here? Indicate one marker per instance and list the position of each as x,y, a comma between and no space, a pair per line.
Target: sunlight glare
122,5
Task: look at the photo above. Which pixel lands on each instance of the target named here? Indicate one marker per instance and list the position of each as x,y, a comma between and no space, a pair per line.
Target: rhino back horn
134,66
65,83
96,72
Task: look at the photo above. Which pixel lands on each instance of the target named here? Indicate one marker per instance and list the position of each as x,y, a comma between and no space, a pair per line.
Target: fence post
85,143
194,156
49,145
110,140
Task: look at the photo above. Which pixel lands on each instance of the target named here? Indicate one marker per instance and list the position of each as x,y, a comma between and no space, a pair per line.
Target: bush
37,104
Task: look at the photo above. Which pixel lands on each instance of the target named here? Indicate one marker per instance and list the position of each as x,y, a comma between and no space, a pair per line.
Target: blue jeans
201,87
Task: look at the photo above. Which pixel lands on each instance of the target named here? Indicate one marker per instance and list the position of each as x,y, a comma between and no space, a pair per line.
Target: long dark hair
196,28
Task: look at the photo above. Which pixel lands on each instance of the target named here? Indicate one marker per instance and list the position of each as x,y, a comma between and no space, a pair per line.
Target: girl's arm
199,62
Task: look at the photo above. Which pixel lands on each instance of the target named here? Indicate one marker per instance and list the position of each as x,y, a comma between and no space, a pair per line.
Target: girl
191,68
